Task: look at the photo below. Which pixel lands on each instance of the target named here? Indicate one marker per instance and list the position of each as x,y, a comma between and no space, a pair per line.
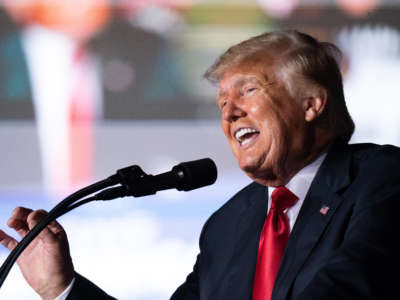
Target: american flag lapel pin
324,209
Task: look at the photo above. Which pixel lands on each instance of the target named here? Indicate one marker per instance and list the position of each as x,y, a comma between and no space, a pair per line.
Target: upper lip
241,131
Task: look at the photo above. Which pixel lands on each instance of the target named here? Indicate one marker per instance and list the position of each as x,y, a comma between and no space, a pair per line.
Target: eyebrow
219,96
240,82
245,80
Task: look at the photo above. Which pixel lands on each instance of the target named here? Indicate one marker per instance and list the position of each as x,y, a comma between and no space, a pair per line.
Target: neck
312,148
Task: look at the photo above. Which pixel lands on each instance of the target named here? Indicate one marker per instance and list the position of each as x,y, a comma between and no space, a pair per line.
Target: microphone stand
63,207
131,181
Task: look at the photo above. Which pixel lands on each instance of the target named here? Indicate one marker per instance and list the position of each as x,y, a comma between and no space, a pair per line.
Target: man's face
264,125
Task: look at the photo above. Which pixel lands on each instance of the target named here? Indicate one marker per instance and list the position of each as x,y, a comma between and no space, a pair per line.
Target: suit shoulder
376,168
233,208
370,154
242,198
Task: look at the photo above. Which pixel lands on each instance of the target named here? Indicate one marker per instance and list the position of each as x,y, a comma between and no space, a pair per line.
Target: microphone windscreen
195,174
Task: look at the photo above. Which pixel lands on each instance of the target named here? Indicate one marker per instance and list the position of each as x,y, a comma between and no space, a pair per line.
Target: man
284,115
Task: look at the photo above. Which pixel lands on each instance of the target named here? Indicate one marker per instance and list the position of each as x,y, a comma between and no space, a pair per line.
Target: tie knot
282,198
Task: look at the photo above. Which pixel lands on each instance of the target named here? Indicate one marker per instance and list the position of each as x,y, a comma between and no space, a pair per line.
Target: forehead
242,75
259,66
233,79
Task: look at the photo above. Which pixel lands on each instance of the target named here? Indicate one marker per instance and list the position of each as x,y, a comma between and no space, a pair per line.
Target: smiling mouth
245,135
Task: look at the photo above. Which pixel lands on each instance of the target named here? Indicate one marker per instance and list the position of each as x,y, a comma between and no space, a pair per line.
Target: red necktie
273,239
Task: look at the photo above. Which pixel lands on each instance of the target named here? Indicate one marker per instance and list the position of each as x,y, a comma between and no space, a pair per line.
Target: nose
231,112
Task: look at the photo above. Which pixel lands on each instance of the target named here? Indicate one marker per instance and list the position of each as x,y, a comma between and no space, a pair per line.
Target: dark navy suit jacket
351,252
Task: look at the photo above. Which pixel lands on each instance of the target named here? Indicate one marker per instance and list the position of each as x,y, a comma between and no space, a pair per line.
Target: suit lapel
243,262
332,176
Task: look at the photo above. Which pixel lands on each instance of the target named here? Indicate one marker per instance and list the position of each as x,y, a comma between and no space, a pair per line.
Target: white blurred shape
371,84
125,255
15,286
278,8
159,19
49,58
128,256
51,103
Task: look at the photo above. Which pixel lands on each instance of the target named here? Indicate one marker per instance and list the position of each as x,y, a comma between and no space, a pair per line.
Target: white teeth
242,132
245,142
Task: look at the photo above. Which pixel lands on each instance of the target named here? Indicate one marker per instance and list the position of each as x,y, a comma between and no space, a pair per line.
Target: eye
221,104
248,90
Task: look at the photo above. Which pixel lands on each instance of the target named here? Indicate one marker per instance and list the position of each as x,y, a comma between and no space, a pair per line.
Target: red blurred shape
358,8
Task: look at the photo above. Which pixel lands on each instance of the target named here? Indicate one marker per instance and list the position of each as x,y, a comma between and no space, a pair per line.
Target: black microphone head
195,174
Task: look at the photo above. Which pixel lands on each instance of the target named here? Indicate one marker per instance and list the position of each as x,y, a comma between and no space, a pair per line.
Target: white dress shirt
66,292
299,185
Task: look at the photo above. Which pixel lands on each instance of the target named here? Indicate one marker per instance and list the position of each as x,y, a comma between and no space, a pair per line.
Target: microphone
185,176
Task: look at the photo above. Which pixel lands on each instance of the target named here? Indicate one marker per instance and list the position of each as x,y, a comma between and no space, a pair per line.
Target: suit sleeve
364,267
83,289
190,289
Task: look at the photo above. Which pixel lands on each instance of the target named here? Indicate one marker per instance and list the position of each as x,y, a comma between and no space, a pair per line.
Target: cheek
271,120
225,128
275,133
255,110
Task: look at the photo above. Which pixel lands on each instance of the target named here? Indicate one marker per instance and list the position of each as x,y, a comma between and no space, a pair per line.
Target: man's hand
46,263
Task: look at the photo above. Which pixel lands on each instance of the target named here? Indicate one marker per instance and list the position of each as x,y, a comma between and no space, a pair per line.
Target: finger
18,220
34,218
56,228
21,212
19,226
7,241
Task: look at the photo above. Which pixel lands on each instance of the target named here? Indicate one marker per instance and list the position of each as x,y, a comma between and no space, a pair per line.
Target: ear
314,104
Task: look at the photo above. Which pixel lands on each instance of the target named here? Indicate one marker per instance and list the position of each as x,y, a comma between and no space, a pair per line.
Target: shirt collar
301,182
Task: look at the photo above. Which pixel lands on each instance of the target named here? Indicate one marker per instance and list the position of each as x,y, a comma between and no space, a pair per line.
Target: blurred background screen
91,86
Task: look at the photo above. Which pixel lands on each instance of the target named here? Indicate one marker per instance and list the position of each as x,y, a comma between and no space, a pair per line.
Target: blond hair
302,62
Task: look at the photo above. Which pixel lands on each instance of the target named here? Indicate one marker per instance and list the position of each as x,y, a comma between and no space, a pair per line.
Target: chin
264,174
249,166
267,179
